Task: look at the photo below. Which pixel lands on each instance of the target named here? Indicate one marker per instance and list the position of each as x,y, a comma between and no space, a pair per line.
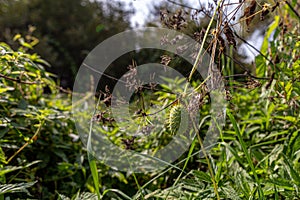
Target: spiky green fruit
178,117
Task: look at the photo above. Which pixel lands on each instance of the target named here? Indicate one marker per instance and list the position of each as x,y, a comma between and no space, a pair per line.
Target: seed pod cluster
176,21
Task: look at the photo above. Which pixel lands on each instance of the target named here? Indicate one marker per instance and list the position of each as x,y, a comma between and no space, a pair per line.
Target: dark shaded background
67,30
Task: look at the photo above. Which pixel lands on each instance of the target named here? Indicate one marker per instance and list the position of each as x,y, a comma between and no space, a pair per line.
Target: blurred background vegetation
67,30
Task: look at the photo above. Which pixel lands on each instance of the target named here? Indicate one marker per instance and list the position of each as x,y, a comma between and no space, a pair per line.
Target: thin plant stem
28,142
91,158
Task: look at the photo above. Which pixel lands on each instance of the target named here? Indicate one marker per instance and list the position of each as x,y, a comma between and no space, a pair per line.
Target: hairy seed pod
178,117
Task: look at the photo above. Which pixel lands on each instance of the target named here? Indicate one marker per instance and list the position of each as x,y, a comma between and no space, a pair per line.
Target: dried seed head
251,84
221,43
174,21
214,32
265,11
229,35
165,60
199,35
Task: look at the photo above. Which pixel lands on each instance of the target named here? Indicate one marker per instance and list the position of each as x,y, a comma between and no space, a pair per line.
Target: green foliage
257,156
36,128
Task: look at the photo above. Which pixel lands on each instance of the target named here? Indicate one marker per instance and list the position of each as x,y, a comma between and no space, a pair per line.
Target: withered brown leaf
249,12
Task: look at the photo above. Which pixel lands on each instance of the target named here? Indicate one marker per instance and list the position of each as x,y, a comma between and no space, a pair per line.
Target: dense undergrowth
256,157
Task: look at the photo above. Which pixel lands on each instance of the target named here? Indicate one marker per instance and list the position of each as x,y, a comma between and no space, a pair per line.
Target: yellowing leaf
18,36
288,90
2,90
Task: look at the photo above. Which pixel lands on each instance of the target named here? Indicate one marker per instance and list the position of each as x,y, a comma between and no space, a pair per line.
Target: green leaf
99,28
93,167
25,44
292,171
63,197
260,61
2,156
202,176
288,90
18,187
271,28
261,66
9,169
291,12
3,132
287,118
18,36
87,196
2,90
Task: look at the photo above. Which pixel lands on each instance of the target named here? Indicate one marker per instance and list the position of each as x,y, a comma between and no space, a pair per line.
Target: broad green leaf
3,131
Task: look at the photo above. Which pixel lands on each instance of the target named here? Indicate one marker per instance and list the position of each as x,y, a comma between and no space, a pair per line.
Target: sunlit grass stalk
91,158
203,42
